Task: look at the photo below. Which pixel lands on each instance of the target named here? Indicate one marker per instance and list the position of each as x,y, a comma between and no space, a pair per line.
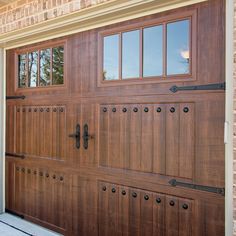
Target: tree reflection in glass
22,70
45,67
178,48
33,69
58,65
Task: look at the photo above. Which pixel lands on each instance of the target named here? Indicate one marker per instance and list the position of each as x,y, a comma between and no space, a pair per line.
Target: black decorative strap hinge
21,156
219,86
210,189
15,97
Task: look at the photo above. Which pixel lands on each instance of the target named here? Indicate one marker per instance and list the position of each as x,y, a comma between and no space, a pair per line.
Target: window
41,68
159,51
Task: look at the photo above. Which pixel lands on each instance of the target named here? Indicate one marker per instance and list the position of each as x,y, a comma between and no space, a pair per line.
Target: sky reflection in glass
153,51
178,47
130,54
111,57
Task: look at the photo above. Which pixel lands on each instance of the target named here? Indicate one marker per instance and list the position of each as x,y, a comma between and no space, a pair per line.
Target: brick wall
23,13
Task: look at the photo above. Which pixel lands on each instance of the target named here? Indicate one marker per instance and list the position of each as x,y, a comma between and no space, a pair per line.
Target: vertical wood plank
123,226
147,138
159,139
103,135
159,203
134,212
185,217
114,136
186,140
146,224
135,137
172,139
125,122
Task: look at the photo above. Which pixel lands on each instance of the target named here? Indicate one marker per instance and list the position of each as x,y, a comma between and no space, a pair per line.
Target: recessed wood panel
160,138
41,131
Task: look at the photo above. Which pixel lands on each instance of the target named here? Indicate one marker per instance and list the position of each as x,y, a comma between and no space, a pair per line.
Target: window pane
22,70
111,57
178,47
152,51
33,69
45,56
130,54
58,65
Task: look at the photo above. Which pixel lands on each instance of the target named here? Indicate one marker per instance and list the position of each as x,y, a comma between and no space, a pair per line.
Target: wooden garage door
121,128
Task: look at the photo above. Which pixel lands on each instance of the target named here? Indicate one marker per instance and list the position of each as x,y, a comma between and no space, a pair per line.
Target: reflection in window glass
111,57
152,51
45,67
58,65
130,54
22,70
178,47
33,69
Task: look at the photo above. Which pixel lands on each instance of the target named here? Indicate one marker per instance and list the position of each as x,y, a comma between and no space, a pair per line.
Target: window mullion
164,50
51,60
141,53
120,56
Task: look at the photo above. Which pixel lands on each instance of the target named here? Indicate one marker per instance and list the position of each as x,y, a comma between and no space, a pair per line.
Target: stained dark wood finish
119,185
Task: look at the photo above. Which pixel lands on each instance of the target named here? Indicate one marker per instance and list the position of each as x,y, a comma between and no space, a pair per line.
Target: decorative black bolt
172,203
135,109
41,109
186,109
30,109
146,197
185,206
35,109
47,109
35,172
54,176
23,109
47,175
134,194
61,109
28,171
23,170
146,109
113,190
104,109
61,178
124,109
158,200
113,109
123,192
172,109
158,109
54,109
17,168
104,188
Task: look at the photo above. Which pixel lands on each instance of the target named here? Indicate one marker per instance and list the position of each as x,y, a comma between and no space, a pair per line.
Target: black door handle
76,135
86,136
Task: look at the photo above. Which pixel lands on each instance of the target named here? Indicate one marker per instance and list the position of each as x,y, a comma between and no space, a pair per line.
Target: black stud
61,109
134,194
54,176
146,197
61,178
35,109
35,172
113,190
186,109
124,109
146,109
159,109
54,109
172,203
135,109
185,206
47,175
48,109
41,109
30,109
123,192
104,109
113,109
29,171
104,188
158,200
172,109
17,168
23,109
23,170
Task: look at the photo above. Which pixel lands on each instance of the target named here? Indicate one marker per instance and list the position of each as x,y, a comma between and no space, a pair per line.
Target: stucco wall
23,13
